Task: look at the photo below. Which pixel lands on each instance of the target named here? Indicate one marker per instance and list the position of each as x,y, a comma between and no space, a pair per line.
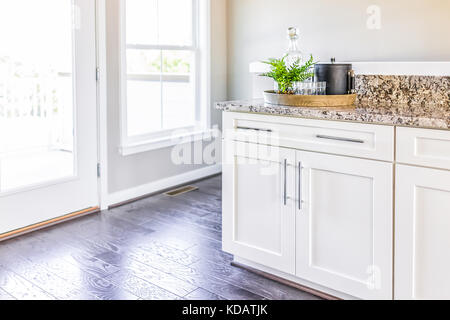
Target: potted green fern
286,76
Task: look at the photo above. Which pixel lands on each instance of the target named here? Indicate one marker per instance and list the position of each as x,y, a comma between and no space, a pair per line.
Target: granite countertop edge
405,115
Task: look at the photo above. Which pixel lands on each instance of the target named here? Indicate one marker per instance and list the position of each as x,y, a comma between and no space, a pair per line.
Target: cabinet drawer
342,138
424,147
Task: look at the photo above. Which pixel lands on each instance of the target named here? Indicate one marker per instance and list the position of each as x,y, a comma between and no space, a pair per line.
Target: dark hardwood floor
156,248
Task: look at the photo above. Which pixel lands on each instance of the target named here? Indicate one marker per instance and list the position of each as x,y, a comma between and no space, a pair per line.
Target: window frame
201,49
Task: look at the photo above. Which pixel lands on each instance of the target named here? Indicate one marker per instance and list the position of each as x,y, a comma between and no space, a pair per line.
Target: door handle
285,183
254,129
300,202
319,136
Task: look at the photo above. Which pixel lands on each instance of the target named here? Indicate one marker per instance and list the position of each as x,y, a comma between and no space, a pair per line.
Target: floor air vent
179,191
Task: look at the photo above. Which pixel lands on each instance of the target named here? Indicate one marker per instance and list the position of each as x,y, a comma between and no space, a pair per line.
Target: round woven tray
294,100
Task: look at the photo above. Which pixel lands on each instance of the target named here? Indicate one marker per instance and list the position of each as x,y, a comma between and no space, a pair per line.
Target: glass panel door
36,92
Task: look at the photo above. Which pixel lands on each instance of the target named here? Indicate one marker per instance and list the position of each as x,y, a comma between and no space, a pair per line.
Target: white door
48,140
422,233
344,224
258,210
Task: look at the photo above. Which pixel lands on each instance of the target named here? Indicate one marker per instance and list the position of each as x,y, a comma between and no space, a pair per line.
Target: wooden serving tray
294,100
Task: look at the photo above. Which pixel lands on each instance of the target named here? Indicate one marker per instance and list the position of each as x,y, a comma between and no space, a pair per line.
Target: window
164,71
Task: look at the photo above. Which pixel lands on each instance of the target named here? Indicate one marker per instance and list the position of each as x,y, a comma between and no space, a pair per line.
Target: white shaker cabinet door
258,210
344,224
422,233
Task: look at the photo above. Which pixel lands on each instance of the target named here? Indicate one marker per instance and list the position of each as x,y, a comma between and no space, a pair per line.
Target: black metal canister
336,75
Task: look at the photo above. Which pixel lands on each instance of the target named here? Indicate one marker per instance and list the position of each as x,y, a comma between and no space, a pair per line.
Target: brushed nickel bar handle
254,129
300,202
319,136
285,183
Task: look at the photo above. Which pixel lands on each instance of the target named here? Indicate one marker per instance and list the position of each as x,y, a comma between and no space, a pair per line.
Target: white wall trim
163,184
204,39
437,68
102,103
164,142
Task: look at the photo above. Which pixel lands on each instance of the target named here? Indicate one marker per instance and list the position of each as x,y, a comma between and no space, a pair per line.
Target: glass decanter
294,53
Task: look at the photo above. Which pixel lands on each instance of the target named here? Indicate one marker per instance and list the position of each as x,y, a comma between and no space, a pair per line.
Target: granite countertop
415,101
434,115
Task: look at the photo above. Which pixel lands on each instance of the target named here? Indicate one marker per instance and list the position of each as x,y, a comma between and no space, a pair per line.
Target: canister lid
333,63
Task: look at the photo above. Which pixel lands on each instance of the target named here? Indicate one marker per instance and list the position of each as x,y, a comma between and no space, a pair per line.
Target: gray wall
411,30
132,171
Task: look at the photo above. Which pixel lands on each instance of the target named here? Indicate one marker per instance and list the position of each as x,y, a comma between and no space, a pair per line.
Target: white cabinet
324,216
259,213
339,235
422,233
344,224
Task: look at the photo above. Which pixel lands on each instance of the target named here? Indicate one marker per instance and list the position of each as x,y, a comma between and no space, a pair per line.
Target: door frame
100,121
102,104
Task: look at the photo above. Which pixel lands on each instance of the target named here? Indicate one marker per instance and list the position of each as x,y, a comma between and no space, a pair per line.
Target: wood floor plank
176,226
44,279
100,223
5,296
189,203
211,186
139,287
20,288
202,200
184,273
180,256
144,215
84,278
150,243
214,217
88,284
202,294
135,212
266,288
172,240
106,290
43,245
163,203
210,254
183,217
149,273
210,189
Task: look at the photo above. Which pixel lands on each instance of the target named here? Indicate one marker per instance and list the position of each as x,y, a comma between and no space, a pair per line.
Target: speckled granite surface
387,114
415,101
413,90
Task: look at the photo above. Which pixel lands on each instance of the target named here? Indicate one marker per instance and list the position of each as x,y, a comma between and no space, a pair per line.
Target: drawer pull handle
300,202
254,129
319,136
285,183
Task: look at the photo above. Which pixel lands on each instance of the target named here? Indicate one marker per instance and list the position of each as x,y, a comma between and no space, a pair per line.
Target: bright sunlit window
163,69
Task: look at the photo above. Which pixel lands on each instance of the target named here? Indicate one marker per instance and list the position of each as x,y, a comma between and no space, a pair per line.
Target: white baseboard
163,184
